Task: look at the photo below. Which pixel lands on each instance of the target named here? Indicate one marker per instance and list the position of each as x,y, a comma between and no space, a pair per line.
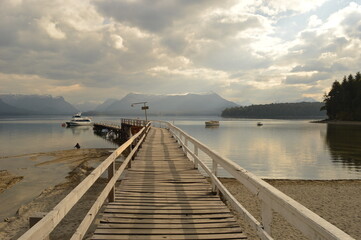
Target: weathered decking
164,197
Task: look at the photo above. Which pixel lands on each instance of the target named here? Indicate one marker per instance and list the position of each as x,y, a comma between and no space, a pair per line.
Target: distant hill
189,105
86,106
277,110
6,109
36,104
102,107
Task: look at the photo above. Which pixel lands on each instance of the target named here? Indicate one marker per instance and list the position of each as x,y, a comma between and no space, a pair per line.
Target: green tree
343,102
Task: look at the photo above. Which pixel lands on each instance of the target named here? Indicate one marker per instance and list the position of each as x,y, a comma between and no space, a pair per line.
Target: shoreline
335,200
81,163
337,122
7,180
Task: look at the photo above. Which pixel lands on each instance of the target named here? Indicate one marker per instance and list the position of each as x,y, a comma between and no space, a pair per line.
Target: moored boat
78,120
212,123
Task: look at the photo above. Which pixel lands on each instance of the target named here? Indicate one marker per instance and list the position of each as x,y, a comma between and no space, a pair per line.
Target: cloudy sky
248,51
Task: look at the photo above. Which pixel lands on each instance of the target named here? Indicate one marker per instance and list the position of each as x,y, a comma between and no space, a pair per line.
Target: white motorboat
78,120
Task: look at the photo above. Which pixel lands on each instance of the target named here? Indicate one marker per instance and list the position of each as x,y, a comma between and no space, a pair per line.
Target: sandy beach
336,200
81,162
7,180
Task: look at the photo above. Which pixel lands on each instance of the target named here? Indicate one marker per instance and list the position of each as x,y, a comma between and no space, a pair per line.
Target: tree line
276,110
343,102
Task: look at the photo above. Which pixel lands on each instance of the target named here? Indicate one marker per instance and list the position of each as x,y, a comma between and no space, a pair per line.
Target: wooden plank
166,201
184,189
172,237
174,194
160,231
162,196
167,206
166,211
169,191
152,205
168,216
169,226
161,184
117,220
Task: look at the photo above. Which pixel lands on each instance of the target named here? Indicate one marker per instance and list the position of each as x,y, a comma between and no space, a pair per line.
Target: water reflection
210,127
292,149
110,136
344,142
32,136
77,130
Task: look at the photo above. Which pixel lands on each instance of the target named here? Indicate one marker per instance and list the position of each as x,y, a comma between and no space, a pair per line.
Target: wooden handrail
46,225
84,225
135,122
309,223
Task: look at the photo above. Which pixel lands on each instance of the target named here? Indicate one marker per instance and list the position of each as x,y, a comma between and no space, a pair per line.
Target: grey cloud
320,66
228,55
281,93
309,80
310,67
164,31
154,16
352,25
336,45
175,41
82,57
220,27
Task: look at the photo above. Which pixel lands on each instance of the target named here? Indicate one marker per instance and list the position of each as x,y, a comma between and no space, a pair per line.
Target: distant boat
78,120
212,123
259,124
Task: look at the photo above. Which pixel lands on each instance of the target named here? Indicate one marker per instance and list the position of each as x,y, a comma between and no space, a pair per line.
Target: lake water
293,149
290,149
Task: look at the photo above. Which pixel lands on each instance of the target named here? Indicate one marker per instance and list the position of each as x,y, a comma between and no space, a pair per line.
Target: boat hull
69,124
212,123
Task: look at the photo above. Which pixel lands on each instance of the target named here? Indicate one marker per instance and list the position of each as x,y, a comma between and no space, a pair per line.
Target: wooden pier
162,194
163,197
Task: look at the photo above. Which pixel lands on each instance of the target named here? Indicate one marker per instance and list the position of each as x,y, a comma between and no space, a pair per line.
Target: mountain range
186,104
17,104
190,104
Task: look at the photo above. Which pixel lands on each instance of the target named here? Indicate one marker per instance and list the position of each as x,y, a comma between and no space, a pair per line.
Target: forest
302,110
343,102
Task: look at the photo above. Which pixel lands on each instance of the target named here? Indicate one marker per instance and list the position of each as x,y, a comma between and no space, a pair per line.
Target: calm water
22,136
44,134
291,149
279,149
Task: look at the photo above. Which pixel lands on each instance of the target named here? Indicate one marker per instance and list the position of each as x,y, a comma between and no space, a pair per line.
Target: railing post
35,218
186,144
214,171
195,161
266,214
111,172
130,150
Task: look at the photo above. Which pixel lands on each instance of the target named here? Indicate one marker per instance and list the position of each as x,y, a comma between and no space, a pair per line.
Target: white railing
309,223
45,226
134,122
